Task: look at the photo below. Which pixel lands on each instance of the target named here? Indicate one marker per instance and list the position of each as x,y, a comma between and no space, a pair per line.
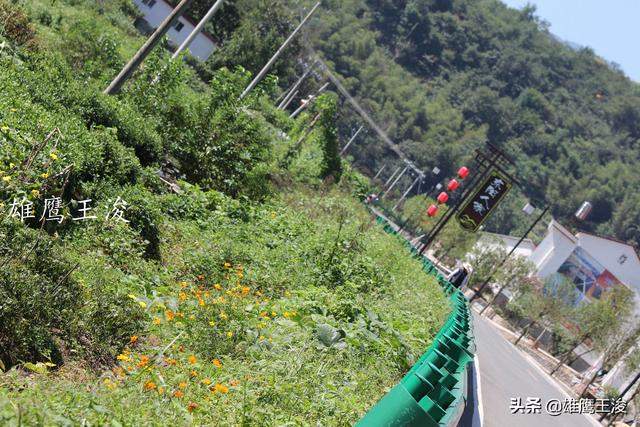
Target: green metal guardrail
434,391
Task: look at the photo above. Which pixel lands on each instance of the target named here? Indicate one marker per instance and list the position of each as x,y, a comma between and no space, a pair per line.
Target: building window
149,3
178,26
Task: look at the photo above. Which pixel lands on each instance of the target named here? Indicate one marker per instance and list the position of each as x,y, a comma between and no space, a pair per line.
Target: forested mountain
442,76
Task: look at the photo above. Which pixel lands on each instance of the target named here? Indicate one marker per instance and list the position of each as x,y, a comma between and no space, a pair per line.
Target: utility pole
391,177
310,101
380,171
116,85
273,59
394,182
415,181
353,138
291,92
185,44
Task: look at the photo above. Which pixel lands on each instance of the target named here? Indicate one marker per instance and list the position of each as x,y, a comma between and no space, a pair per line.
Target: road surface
505,373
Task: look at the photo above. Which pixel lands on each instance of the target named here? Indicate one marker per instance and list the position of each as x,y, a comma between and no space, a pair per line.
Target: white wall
493,240
554,250
201,47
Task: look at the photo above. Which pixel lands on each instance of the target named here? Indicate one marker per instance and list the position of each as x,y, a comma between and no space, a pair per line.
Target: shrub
327,136
62,316
15,24
225,141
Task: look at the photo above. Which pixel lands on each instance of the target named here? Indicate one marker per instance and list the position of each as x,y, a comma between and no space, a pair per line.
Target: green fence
434,391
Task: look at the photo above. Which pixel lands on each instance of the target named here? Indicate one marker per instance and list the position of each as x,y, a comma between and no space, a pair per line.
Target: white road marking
476,362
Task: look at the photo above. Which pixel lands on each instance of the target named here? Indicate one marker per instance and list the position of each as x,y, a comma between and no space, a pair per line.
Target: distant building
155,11
493,241
594,264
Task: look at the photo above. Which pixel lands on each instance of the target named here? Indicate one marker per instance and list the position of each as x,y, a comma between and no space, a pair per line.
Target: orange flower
149,385
133,339
200,277
192,359
217,363
178,394
170,362
169,315
192,406
201,302
245,290
144,361
193,374
220,388
233,383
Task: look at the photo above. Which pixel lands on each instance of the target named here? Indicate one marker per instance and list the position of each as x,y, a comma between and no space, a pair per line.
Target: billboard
478,207
588,275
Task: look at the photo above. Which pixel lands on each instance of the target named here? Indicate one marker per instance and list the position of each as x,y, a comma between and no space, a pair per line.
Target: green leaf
38,368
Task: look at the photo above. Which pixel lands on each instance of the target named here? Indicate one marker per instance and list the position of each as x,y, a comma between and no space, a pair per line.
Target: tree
542,303
516,272
614,345
598,320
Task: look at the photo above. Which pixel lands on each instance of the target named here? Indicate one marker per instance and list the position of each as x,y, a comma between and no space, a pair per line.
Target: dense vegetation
224,289
442,76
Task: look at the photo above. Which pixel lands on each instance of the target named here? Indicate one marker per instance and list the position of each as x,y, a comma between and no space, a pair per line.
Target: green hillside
200,266
443,76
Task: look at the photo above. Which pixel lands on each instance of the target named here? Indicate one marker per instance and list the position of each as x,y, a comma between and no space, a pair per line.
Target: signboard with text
477,208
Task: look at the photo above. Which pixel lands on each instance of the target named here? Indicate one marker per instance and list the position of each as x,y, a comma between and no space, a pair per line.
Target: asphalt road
505,373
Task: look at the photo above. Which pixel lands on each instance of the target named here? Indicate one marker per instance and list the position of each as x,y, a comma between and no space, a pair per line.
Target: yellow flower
149,385
160,390
273,314
192,359
132,296
44,175
53,156
217,286
35,193
206,381
4,129
182,385
109,384
223,316
133,339
229,334
142,304
123,357
227,265
182,296
286,314
220,388
156,321
193,374
201,302
183,284
6,178
217,363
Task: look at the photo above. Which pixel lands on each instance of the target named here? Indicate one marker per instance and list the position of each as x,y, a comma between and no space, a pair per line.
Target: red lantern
432,211
463,172
453,185
443,197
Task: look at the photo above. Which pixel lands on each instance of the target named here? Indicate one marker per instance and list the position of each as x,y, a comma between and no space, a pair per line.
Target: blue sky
610,27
